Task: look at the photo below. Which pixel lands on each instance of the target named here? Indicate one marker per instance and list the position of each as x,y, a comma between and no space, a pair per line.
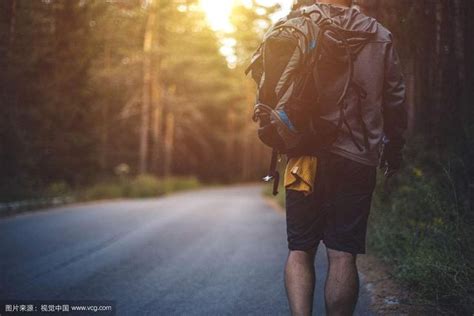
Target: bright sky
218,11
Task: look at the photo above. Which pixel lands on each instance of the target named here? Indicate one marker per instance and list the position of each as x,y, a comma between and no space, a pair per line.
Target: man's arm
394,97
394,112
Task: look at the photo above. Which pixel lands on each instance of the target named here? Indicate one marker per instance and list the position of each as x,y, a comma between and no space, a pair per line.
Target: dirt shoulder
388,296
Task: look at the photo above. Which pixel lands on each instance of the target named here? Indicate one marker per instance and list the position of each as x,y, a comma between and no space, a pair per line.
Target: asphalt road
208,252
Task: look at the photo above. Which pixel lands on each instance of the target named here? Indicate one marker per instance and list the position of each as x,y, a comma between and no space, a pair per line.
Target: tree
147,82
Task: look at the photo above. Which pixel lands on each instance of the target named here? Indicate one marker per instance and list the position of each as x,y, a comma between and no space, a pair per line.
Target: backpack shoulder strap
255,62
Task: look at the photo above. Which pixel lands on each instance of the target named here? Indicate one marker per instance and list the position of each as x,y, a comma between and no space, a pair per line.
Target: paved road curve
209,252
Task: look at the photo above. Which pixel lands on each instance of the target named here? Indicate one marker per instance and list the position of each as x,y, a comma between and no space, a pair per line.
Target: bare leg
342,283
300,280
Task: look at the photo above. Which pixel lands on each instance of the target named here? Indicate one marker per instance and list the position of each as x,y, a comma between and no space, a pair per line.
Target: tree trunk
411,96
156,133
157,116
104,137
147,87
169,143
459,40
231,143
12,23
439,47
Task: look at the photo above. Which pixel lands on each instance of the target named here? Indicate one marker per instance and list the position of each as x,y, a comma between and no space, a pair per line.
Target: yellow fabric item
300,174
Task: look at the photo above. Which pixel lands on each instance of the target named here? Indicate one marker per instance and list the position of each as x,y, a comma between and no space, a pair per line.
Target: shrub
149,186
145,186
175,184
424,228
56,189
102,191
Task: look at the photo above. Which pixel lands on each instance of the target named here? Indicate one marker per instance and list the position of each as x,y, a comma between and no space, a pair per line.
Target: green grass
423,226
105,190
59,193
143,186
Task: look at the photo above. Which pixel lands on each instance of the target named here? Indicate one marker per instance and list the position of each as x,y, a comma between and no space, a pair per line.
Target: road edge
274,205
388,296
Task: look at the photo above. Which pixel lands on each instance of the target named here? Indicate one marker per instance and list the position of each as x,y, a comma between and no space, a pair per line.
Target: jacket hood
350,19
356,28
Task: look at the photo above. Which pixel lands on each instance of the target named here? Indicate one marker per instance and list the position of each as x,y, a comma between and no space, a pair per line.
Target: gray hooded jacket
377,96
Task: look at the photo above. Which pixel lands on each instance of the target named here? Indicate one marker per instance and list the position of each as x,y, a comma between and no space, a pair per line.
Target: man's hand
392,157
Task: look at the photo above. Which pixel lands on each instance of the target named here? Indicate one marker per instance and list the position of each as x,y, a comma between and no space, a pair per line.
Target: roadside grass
142,186
422,224
280,198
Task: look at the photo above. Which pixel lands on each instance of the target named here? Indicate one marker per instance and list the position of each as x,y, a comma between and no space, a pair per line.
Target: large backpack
285,68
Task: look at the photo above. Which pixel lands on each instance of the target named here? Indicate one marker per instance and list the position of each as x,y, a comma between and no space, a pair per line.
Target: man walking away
334,207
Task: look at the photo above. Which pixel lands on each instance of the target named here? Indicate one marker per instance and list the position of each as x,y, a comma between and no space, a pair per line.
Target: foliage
104,190
143,186
56,189
422,223
169,185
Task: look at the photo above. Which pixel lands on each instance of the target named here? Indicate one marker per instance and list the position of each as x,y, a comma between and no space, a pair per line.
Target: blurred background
133,98
152,87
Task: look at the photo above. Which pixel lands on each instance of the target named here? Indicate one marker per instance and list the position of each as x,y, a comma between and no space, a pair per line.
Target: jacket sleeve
394,97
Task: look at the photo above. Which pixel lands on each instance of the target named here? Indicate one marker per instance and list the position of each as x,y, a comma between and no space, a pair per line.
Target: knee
302,256
341,257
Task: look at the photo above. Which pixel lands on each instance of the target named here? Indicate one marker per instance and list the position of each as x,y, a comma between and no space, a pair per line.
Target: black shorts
338,209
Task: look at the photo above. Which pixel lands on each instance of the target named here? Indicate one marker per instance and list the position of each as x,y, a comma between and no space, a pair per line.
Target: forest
94,88
91,85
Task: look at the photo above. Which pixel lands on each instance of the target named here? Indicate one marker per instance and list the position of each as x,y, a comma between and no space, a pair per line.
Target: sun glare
218,13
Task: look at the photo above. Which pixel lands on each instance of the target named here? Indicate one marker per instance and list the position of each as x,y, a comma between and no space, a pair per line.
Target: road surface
208,252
